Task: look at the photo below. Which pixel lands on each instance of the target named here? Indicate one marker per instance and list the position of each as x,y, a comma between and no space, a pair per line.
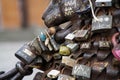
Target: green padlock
64,50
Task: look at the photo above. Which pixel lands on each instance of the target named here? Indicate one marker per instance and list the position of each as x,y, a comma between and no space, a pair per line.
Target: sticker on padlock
25,54
81,35
64,50
103,3
85,46
116,49
73,47
104,24
80,70
104,44
67,60
65,77
53,74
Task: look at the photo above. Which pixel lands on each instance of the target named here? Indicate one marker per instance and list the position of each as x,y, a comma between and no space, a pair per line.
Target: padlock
85,46
42,36
81,35
67,60
35,44
103,54
64,50
26,54
83,71
104,23
53,74
65,77
73,47
116,48
57,56
98,67
103,3
47,56
112,72
104,44
42,45
70,37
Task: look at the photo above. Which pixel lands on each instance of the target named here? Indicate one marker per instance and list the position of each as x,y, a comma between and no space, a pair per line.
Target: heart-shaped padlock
116,48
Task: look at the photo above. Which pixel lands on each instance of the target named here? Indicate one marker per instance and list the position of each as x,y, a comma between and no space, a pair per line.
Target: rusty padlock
116,48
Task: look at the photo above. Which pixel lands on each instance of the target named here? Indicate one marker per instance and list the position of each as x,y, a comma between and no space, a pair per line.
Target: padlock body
65,77
103,3
81,71
104,24
25,54
81,35
116,52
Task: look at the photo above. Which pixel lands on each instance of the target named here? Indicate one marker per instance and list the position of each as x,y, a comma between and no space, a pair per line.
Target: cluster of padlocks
82,45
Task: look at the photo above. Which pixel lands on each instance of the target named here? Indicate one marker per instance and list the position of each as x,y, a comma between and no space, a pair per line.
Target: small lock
70,36
104,24
37,47
103,3
68,61
80,70
64,50
57,56
65,77
42,36
85,46
53,74
104,44
73,47
116,48
26,54
98,67
81,35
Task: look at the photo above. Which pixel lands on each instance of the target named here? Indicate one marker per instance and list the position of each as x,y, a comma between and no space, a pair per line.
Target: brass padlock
67,60
64,50
80,70
81,35
85,46
65,77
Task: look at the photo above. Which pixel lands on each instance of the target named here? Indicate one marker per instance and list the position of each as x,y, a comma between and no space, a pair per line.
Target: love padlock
116,48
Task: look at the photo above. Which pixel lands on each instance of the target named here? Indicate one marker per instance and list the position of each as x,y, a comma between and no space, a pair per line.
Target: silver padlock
104,24
80,70
70,36
85,46
65,77
103,3
53,74
73,47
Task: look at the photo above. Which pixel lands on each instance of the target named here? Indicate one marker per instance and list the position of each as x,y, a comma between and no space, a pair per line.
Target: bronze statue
83,44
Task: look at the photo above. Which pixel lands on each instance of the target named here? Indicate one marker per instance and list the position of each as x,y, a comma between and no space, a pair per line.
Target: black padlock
26,54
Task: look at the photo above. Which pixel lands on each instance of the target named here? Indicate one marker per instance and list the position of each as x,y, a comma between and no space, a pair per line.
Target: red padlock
116,49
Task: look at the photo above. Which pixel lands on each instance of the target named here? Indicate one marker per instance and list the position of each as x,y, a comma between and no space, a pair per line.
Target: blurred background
20,22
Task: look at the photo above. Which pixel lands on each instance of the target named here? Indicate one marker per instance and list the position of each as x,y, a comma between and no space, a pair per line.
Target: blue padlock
42,36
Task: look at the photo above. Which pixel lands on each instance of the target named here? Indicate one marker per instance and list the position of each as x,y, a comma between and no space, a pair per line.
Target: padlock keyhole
103,4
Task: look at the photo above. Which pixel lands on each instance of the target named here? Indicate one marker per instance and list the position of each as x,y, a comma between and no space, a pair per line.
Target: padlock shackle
114,39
